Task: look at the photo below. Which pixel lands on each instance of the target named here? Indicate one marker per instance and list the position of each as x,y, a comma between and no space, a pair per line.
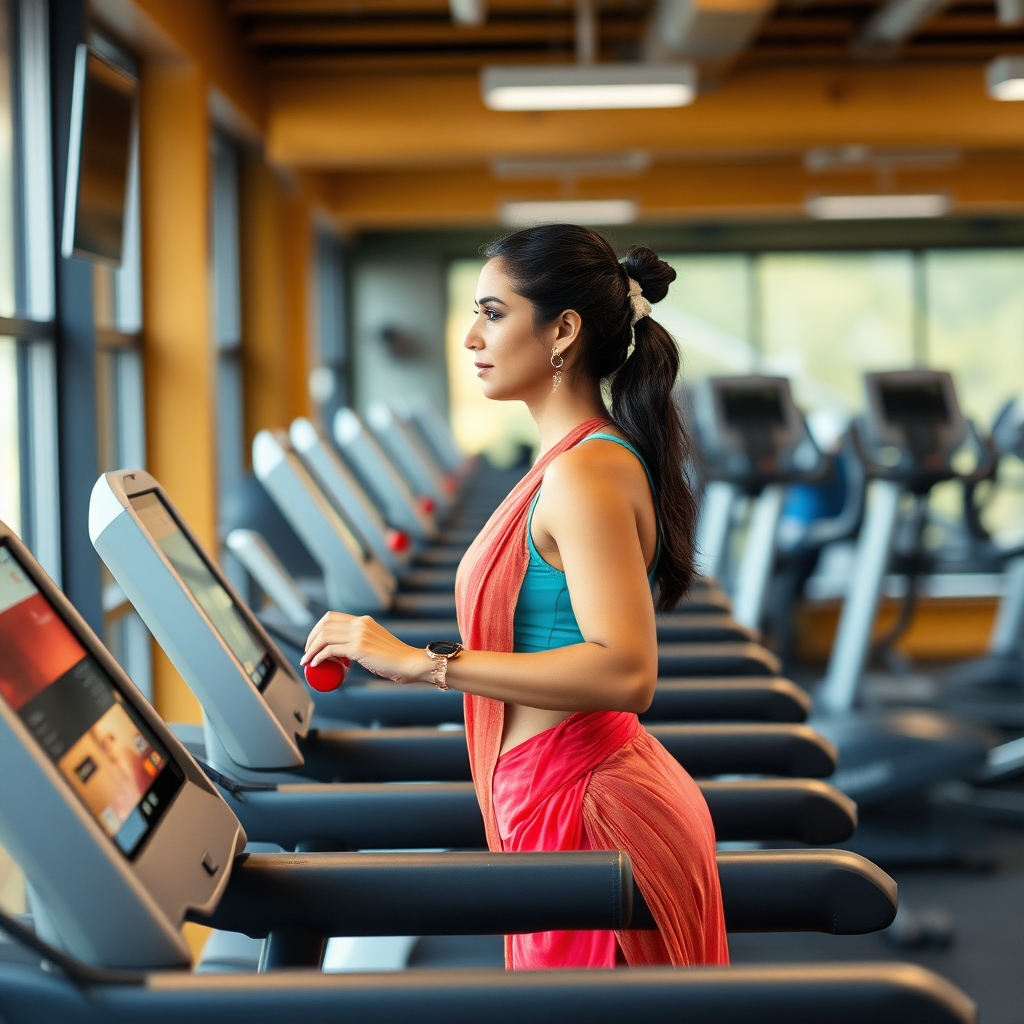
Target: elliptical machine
991,688
888,761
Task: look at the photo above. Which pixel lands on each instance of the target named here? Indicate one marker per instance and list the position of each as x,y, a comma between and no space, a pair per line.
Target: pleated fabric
597,780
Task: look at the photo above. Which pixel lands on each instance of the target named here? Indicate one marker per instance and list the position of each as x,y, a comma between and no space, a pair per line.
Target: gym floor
984,909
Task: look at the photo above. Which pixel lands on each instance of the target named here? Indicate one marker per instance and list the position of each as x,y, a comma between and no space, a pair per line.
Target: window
227,314
120,401
28,426
329,382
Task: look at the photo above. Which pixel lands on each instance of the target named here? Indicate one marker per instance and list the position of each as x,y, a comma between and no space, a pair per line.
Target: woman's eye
492,314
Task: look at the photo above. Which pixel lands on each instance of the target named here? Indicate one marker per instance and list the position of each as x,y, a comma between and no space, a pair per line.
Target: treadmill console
393,496
114,825
751,431
913,419
253,699
356,580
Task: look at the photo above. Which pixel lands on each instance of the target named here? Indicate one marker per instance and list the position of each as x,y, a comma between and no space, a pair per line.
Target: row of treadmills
297,825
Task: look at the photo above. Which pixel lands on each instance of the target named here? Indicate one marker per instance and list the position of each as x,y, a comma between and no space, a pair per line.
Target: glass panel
975,329
826,319
10,461
707,310
497,428
8,302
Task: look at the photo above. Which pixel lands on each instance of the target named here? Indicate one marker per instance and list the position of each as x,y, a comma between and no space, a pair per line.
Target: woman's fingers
329,652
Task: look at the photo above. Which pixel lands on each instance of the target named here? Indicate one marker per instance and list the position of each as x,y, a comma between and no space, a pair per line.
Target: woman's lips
482,368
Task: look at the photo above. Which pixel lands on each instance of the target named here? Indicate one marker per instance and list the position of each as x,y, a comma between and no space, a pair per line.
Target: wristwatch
440,653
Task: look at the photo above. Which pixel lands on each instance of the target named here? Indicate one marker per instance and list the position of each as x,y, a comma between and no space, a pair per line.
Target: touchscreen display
746,407
924,402
190,565
99,742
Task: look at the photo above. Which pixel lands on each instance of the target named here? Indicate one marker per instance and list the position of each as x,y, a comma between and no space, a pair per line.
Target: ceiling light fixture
588,86
600,165
569,211
878,207
1004,78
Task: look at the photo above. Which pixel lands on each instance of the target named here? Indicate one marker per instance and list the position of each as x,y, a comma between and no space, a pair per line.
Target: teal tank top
544,618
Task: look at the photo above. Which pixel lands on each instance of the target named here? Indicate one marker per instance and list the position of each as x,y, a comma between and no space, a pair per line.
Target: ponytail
564,266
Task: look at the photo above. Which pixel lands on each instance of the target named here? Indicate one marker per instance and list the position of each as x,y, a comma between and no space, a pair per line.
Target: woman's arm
588,511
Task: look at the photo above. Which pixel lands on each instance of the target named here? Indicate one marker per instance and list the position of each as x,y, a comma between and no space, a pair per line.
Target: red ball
398,541
328,675
427,504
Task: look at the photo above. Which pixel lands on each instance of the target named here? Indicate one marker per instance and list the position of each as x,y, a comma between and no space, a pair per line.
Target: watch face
446,648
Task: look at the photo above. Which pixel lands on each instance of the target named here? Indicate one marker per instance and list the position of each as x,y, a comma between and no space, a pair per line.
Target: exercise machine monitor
98,775
253,701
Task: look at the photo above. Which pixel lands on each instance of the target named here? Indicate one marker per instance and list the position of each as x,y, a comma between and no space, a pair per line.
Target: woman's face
511,354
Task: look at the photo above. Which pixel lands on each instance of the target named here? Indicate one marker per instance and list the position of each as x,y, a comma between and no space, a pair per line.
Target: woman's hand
338,635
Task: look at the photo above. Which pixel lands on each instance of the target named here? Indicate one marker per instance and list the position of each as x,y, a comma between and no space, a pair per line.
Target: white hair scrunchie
641,307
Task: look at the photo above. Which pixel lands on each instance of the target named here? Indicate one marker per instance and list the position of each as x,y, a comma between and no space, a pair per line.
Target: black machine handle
426,893
758,749
780,810
408,755
393,816
845,993
753,699
831,891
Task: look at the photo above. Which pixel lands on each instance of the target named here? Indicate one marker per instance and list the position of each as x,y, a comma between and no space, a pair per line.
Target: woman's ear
567,329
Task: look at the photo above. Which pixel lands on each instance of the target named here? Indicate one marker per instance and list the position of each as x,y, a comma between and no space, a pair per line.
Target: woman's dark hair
564,266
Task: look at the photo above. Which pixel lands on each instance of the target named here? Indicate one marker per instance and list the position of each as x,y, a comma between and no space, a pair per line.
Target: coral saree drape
596,781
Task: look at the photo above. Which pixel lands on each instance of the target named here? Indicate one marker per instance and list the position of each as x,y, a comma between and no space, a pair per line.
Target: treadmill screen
924,402
98,741
204,586
745,407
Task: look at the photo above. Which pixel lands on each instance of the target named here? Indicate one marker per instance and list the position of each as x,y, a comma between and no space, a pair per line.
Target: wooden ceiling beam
391,8
324,32
379,121
404,63
989,183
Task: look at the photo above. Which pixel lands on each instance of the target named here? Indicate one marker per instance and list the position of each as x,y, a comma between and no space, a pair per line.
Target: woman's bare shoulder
595,466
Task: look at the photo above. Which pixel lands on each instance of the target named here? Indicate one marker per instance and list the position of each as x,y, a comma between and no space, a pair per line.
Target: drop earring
556,362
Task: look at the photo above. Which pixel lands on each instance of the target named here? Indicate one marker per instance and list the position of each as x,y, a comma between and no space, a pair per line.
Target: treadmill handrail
395,816
843,993
409,754
835,892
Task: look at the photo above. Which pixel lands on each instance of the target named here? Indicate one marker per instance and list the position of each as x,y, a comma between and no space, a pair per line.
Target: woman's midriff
522,723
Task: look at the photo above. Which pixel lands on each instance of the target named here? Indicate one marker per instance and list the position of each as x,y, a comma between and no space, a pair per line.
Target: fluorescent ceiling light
569,211
601,165
877,207
588,86
1004,77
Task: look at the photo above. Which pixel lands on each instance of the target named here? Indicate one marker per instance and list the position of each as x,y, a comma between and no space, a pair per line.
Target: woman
555,595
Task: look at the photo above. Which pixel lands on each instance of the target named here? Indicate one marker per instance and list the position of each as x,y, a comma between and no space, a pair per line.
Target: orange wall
180,378
942,628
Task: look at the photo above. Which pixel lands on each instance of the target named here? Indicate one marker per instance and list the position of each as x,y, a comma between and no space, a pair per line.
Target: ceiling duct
711,33
468,12
893,23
